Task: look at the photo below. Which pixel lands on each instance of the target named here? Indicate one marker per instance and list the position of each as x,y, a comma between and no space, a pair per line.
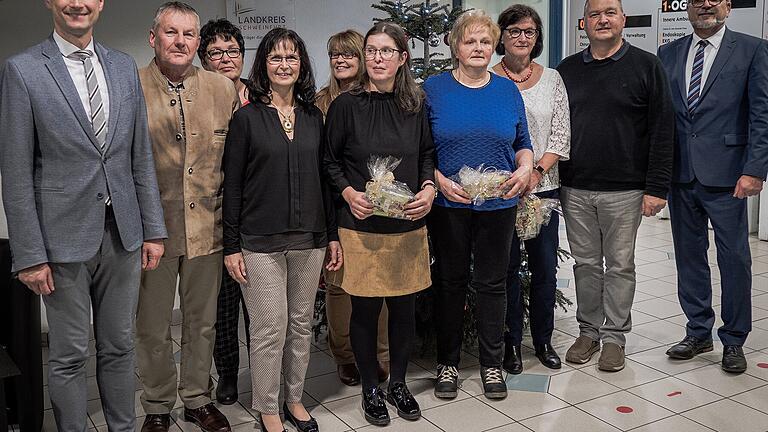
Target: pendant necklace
519,81
285,120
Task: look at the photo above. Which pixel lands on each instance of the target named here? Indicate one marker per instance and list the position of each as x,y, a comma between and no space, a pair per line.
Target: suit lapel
723,54
60,73
682,59
114,97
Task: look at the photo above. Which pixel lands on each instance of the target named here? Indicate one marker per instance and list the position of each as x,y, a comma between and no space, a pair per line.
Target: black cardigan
273,185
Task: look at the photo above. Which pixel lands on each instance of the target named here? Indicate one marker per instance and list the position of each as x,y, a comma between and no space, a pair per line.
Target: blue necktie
694,90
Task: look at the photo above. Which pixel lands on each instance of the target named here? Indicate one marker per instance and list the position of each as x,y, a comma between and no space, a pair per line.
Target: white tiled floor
653,393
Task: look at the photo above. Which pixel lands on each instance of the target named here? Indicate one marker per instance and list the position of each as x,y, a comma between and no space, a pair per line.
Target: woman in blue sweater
476,118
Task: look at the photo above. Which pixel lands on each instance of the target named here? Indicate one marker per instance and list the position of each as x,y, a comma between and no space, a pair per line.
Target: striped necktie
694,90
98,118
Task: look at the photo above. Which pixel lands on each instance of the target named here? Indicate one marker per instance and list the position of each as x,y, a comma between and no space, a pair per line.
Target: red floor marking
675,393
763,365
624,409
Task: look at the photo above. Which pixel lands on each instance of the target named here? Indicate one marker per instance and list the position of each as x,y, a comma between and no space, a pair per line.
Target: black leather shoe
733,359
208,418
264,428
513,359
548,357
348,374
226,390
402,399
687,348
301,425
156,423
374,407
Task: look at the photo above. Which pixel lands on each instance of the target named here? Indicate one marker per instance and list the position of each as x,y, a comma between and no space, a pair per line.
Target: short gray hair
586,5
174,6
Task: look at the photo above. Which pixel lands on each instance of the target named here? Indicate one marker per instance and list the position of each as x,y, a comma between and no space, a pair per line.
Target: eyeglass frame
509,31
370,53
222,52
711,2
289,60
344,55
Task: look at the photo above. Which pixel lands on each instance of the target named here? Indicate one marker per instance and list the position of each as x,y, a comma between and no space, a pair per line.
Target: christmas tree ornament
434,40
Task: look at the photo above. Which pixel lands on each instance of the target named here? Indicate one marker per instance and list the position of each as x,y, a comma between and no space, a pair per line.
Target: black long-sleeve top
274,192
365,124
622,122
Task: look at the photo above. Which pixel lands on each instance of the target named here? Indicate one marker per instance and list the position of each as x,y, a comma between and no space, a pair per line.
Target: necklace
455,74
285,120
519,81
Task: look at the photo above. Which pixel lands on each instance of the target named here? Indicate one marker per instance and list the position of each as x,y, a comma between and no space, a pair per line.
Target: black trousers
542,264
226,348
364,331
477,243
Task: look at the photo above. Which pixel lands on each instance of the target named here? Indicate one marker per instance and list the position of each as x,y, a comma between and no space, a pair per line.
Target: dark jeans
364,331
463,238
542,264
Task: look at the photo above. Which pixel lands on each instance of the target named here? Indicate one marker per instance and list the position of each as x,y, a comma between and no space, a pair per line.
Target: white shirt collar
67,48
715,40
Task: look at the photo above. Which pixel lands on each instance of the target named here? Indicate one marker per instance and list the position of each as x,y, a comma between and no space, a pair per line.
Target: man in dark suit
719,82
82,204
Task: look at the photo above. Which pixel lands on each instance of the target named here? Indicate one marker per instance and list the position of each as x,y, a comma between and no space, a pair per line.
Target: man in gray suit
82,204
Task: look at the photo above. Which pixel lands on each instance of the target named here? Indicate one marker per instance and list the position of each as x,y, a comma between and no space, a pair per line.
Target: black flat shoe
402,399
733,359
226,390
513,359
264,428
301,425
374,407
548,357
690,346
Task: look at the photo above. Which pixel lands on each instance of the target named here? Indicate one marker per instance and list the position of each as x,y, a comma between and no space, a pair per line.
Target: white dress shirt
77,72
710,52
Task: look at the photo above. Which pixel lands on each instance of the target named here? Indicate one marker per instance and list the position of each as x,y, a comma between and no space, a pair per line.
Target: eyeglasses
344,55
700,3
386,53
219,54
292,60
515,33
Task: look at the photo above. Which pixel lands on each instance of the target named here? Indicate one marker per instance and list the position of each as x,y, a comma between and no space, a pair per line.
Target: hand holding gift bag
388,196
482,183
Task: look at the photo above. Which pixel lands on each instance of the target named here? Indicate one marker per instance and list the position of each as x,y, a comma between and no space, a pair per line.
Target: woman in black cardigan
277,223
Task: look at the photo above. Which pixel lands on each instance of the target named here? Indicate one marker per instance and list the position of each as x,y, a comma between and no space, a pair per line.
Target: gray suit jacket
54,177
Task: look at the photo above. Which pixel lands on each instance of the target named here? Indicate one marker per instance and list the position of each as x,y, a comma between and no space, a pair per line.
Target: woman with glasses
345,51
387,260
278,221
221,50
546,108
477,118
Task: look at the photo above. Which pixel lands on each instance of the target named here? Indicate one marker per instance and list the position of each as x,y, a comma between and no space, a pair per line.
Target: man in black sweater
622,132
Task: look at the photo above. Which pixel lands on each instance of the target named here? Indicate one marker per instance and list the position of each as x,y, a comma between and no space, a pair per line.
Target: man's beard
707,24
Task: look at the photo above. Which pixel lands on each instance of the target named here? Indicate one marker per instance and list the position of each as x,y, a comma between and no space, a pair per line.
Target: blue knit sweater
473,126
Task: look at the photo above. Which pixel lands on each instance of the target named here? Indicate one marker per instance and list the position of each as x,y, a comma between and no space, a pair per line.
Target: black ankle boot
374,407
407,407
226,390
513,358
547,356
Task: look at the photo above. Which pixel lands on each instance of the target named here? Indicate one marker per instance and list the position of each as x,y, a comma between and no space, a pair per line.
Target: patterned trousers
226,350
280,298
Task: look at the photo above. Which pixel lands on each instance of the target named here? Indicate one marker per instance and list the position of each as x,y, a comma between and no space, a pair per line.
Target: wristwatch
429,183
540,169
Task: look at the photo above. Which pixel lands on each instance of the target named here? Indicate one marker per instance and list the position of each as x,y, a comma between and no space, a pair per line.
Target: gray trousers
109,282
280,298
602,232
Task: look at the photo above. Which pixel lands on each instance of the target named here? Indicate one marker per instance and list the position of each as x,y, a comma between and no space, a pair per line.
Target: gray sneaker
582,350
612,358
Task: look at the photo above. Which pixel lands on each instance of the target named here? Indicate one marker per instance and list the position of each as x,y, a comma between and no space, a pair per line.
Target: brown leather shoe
208,418
383,371
156,423
348,374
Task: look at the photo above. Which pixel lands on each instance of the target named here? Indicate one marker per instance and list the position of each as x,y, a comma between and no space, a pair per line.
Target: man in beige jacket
189,111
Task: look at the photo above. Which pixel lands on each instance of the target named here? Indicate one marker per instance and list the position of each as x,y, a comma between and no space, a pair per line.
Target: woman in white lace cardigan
546,109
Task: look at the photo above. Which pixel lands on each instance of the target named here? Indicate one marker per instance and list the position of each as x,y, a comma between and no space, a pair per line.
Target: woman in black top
386,259
276,223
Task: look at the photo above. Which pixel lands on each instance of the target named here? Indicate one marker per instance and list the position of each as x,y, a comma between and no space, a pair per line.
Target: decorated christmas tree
427,22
